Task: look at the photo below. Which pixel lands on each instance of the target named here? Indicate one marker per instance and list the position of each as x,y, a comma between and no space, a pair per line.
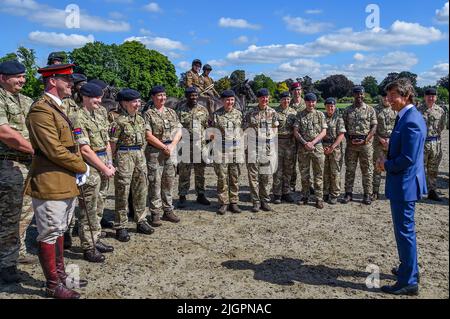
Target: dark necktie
397,118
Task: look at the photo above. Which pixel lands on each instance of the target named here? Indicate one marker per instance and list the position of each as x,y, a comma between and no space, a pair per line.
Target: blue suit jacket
405,172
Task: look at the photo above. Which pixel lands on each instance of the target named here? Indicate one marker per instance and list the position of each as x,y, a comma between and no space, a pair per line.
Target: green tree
442,94
370,85
237,77
262,81
388,79
337,85
222,84
281,87
443,82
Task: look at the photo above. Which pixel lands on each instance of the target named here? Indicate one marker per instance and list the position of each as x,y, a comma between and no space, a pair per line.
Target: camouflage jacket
263,121
128,130
335,125
193,79
90,129
298,106
229,124
193,119
13,111
286,119
386,120
162,124
310,124
358,120
434,118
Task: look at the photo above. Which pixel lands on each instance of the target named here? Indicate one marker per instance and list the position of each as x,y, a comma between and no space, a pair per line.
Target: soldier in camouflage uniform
194,118
286,150
208,81
162,134
434,117
298,104
309,129
229,121
260,148
15,160
91,134
361,124
386,120
193,77
332,144
127,141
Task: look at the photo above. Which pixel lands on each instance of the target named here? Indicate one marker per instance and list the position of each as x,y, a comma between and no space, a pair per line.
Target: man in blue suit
405,181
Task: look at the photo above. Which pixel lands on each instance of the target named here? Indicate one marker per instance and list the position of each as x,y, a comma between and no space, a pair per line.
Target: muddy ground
295,252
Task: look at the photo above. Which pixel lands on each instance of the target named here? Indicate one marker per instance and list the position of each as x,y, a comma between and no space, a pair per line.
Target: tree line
132,65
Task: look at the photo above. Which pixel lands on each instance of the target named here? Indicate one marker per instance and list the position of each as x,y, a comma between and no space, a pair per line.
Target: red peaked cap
56,69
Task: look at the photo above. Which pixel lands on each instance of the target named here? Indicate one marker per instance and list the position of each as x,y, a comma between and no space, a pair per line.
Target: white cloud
116,15
431,76
399,34
56,18
358,56
60,40
237,23
241,40
158,43
313,11
442,14
144,31
184,65
301,25
152,7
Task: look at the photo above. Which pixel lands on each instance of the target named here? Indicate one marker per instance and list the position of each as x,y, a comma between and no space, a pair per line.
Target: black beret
330,100
99,83
430,91
262,92
358,89
207,67
284,95
78,77
157,89
227,93
196,61
310,97
12,67
128,95
91,90
57,56
190,90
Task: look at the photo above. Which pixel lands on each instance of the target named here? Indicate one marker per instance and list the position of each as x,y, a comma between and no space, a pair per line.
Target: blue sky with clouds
281,39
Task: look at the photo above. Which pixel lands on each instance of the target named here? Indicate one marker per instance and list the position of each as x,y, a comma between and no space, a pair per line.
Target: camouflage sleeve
246,121
373,117
442,121
189,80
148,122
275,120
3,115
81,130
324,124
296,120
176,119
340,127
115,131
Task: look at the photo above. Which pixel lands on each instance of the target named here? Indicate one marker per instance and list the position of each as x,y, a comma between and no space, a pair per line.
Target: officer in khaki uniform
193,77
286,150
298,104
386,120
15,160
434,116
194,118
127,136
309,129
361,124
162,134
263,122
92,136
56,169
228,121
332,147
208,82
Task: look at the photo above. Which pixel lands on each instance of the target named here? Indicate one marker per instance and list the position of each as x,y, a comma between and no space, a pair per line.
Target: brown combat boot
222,210
170,217
319,204
347,198
266,207
155,220
235,209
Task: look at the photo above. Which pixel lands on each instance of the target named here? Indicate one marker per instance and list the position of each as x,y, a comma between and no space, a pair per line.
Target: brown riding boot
60,268
54,287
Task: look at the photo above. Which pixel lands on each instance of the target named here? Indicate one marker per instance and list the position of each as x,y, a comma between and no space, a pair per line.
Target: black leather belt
432,138
15,158
357,137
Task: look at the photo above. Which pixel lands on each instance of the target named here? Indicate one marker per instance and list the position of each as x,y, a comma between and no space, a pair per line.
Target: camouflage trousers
363,154
332,173
316,159
378,152
294,174
95,191
432,159
161,180
15,211
131,174
184,181
260,179
227,183
286,161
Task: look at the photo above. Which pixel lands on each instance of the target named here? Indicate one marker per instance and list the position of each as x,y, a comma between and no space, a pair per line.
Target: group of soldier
65,147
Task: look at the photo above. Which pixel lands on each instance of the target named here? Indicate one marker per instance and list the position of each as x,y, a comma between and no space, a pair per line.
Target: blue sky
280,39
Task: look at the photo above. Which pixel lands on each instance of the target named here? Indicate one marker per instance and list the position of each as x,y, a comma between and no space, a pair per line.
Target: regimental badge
77,132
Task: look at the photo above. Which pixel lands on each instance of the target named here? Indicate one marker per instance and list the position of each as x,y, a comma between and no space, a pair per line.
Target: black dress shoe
347,198
122,235
222,210
367,199
201,199
287,198
277,199
433,195
101,247
410,290
265,207
93,256
144,228
182,201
